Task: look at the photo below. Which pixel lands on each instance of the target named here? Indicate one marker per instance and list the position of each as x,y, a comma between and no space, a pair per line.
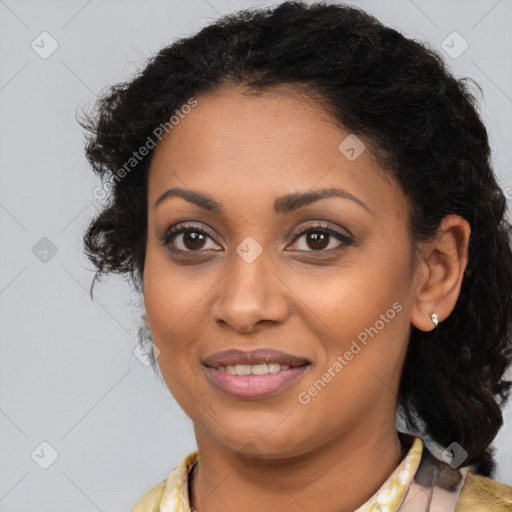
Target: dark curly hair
425,131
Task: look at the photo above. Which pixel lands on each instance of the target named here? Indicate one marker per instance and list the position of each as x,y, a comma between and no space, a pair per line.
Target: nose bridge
249,266
250,291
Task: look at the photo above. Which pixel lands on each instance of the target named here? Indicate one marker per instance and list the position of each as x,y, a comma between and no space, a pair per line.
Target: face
249,265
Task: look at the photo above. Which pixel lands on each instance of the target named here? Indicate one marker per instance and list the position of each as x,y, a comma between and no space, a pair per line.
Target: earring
433,316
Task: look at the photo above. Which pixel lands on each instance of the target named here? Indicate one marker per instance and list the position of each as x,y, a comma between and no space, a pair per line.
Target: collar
388,498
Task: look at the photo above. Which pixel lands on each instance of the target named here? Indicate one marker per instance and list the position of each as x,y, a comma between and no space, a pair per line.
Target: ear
439,272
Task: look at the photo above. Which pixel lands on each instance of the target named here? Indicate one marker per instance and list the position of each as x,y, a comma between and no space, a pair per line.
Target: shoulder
483,494
150,502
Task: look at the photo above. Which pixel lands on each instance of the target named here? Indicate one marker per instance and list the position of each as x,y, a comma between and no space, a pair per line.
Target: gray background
68,376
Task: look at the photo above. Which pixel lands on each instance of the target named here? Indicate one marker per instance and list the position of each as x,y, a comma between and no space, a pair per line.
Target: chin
258,443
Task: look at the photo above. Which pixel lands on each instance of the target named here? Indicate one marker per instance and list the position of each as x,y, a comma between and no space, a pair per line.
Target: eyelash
345,239
322,228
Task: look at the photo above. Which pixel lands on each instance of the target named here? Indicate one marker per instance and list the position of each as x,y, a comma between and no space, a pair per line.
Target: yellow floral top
478,494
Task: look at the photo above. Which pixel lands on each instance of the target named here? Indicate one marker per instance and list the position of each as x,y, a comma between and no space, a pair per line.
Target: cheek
171,309
361,316
176,302
350,297
168,303
171,295
358,373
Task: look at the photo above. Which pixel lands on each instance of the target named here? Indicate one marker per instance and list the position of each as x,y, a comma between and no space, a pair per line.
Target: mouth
256,369
266,360
256,374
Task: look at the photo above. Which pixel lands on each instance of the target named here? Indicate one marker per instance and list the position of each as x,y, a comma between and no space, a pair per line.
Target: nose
250,293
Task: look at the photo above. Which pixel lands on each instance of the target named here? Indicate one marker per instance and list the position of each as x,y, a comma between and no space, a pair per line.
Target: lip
258,356
254,386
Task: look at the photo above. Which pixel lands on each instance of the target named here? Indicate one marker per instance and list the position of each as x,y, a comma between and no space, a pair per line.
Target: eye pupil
193,238
318,239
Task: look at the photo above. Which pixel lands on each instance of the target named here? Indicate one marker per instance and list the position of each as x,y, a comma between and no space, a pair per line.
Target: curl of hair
424,129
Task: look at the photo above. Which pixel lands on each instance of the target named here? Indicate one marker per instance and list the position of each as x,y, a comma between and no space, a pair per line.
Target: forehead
279,140
232,117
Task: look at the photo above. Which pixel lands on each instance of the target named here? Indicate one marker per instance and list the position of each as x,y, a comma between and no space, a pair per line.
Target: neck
335,477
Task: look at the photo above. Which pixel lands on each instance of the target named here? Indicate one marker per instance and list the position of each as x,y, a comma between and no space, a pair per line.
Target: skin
276,453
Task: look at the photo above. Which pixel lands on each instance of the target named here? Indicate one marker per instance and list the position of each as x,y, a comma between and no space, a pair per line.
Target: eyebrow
282,205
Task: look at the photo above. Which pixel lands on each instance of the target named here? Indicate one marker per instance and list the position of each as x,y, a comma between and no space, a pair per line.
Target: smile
254,381
253,369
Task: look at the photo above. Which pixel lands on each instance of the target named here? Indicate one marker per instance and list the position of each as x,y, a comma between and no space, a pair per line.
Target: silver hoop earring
433,316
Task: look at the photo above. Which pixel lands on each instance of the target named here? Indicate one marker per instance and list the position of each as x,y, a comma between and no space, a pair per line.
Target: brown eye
193,240
186,239
318,238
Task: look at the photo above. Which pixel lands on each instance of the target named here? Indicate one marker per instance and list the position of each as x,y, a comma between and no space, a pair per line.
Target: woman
304,198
